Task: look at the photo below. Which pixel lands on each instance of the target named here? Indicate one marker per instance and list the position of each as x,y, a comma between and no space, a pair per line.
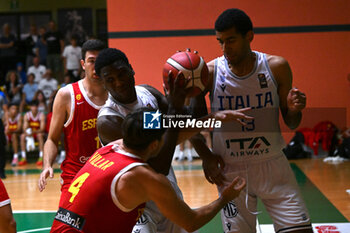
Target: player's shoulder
63,95
139,174
276,61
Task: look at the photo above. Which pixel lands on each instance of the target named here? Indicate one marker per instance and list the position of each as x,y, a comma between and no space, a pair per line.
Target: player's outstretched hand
232,190
43,177
213,166
177,91
233,115
296,100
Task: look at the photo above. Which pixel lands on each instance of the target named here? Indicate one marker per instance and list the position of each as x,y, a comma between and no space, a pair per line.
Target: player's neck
245,66
95,91
142,155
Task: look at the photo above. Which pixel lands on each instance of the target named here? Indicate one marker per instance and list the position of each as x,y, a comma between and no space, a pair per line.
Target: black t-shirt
53,42
8,52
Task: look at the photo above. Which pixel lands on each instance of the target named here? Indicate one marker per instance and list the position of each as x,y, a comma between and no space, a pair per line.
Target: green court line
320,208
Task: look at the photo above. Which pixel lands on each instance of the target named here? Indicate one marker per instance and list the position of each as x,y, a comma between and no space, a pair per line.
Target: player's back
91,204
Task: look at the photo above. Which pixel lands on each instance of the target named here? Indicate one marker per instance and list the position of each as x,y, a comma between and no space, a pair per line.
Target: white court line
35,230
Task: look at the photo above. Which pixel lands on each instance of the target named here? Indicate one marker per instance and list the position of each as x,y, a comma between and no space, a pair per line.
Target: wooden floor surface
332,180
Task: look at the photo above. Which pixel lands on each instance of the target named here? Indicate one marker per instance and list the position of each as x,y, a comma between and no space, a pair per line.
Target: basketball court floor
323,187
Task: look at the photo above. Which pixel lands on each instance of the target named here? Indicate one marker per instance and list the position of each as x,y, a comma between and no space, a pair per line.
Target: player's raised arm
61,108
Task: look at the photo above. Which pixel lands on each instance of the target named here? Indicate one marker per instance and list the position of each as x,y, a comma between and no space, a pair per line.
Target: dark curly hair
234,18
111,56
91,45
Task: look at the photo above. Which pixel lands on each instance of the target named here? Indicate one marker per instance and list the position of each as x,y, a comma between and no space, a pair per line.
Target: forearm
292,119
162,162
50,153
204,214
200,146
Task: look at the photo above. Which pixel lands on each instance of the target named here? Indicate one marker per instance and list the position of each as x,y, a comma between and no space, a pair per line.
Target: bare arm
141,184
61,109
7,222
104,126
292,101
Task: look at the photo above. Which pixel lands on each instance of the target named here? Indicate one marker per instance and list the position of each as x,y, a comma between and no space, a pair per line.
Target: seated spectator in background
29,89
13,130
37,69
30,45
33,126
13,89
7,222
3,141
48,85
7,51
42,101
71,59
41,46
21,73
66,80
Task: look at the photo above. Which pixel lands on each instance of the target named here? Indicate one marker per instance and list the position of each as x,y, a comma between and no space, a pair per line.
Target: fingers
43,178
208,178
219,179
240,184
42,182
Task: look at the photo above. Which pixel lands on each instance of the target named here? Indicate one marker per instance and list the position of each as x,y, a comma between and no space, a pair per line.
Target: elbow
191,227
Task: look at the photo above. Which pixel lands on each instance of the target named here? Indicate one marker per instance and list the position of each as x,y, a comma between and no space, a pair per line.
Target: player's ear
250,36
82,63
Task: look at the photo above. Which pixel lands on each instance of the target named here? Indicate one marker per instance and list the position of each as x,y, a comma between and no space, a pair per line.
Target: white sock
24,155
15,155
40,154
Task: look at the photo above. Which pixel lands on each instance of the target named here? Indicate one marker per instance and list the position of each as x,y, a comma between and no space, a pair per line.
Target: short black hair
234,18
134,135
110,56
13,104
92,45
33,103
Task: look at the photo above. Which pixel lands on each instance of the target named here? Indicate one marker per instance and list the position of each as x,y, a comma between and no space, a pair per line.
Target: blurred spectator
41,46
71,59
3,141
37,69
7,51
48,84
66,80
29,89
55,45
42,102
13,89
13,130
33,128
7,222
30,45
21,73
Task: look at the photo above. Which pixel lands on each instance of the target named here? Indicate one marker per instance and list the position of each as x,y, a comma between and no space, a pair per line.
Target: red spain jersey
4,197
91,204
81,139
13,123
34,121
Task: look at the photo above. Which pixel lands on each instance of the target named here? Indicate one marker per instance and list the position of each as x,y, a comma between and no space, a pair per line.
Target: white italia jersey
261,137
144,99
